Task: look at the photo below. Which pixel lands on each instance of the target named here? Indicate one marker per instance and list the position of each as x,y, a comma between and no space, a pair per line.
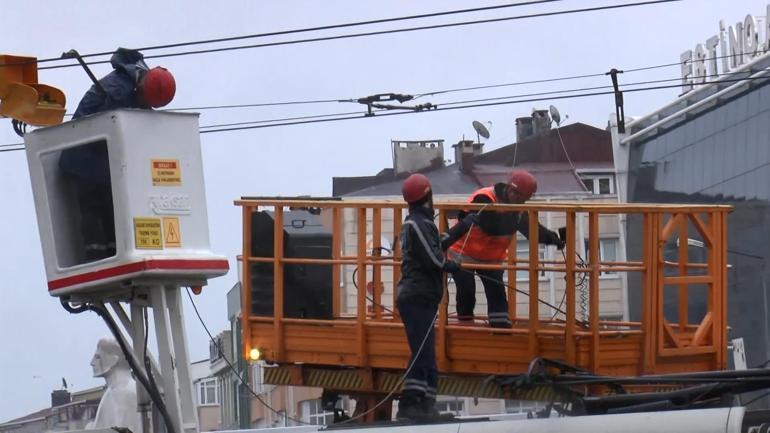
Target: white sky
41,343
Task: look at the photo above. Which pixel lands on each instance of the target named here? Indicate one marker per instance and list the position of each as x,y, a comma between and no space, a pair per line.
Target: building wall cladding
721,156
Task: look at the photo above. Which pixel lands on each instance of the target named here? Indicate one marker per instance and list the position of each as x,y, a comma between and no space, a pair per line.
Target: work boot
409,408
428,407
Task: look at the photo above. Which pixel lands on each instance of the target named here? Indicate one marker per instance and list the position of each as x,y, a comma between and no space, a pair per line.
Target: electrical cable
147,363
313,29
374,303
234,371
359,115
299,421
460,107
579,284
138,373
317,116
453,90
384,32
397,387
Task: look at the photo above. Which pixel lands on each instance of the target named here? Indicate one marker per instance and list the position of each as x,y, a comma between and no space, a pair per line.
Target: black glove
471,219
451,267
554,239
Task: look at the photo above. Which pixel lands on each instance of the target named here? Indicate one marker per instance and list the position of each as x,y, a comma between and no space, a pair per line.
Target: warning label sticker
148,234
172,236
166,172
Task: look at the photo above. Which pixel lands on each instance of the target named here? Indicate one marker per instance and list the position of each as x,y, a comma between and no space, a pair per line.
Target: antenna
555,115
481,130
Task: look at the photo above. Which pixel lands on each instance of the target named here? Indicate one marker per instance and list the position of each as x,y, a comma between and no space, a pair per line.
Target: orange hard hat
158,87
524,183
416,187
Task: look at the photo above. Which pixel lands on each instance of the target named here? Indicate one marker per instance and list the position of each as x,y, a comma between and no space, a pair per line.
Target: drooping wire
238,374
395,389
580,285
141,376
384,32
374,303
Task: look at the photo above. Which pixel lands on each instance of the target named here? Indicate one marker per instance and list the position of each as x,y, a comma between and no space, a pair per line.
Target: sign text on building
733,47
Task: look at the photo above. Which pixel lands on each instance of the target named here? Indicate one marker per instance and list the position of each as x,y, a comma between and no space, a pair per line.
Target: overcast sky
42,343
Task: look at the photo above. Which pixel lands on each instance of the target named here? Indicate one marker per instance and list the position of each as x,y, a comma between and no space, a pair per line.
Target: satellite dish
480,129
555,115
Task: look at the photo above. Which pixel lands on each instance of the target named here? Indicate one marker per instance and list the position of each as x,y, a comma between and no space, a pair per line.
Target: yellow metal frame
374,340
23,98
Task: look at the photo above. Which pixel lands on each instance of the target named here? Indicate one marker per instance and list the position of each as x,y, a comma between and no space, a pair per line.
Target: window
599,184
608,251
314,413
522,406
455,406
522,253
207,392
216,349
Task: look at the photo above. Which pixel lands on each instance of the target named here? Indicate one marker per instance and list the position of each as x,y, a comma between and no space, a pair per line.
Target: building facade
712,145
68,411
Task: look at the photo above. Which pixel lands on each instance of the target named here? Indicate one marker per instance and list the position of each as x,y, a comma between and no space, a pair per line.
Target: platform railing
367,332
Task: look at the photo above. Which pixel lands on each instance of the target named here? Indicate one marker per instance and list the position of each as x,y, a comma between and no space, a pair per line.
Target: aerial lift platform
360,347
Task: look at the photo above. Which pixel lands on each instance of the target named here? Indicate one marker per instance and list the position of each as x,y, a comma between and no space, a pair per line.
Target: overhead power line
468,104
456,105
444,91
315,29
625,87
392,31
335,26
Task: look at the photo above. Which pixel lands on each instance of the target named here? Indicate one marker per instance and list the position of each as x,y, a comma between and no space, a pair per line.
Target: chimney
60,397
541,122
523,128
465,151
414,156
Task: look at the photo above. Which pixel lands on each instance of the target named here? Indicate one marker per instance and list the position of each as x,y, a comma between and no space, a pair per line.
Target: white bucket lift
121,210
158,197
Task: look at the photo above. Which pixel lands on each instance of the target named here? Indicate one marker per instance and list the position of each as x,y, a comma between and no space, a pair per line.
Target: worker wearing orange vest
488,242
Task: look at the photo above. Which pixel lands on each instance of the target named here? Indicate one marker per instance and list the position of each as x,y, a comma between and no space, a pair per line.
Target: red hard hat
158,87
524,182
416,187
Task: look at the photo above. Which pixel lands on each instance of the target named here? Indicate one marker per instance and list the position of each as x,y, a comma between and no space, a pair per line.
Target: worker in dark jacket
487,242
131,84
419,293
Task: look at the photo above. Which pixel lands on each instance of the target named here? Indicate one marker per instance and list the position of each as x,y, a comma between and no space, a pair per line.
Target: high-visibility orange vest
479,246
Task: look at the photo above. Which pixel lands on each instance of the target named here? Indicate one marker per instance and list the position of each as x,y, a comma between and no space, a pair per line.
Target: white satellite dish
481,130
555,115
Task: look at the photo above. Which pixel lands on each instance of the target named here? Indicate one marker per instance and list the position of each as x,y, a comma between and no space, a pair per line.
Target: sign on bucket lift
120,202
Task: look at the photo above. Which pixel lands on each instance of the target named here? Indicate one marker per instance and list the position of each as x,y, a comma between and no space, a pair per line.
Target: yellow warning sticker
148,234
166,172
172,236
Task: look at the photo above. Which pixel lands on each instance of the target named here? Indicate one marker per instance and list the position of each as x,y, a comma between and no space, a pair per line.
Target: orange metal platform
367,336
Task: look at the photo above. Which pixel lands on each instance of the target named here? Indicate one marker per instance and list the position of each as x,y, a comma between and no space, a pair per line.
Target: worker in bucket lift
487,242
131,84
419,293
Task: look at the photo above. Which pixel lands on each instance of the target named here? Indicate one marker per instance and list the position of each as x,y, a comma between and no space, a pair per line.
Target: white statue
118,407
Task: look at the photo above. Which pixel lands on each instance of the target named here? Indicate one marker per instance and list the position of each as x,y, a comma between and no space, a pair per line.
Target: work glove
451,267
554,239
471,219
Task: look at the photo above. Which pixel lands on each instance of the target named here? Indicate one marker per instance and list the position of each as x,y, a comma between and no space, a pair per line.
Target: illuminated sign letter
686,60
